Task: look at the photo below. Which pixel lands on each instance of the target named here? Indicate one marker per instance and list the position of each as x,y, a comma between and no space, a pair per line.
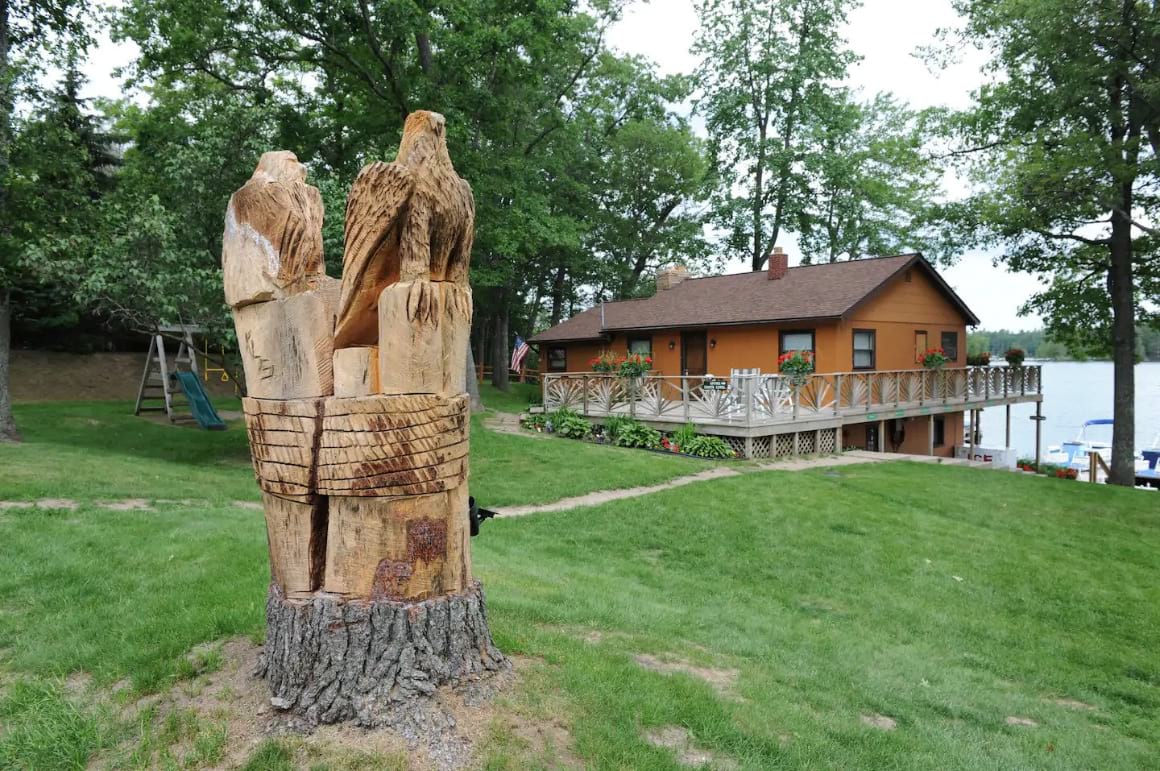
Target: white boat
1074,454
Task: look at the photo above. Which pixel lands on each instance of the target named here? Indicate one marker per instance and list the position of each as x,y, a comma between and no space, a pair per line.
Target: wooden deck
748,405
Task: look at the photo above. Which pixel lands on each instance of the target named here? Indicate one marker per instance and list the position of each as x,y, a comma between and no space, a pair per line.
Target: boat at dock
1075,454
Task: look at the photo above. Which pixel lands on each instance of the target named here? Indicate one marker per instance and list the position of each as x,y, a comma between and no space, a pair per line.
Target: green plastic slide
199,402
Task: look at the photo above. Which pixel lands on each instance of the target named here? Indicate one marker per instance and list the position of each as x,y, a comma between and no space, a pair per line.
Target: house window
940,431
920,344
558,359
641,345
864,343
950,345
796,340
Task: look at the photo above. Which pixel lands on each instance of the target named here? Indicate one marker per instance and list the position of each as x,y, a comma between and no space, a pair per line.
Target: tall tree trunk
1123,354
499,347
558,296
8,432
473,381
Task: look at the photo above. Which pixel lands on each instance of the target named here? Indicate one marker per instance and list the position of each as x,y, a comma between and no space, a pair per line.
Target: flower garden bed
1046,469
623,431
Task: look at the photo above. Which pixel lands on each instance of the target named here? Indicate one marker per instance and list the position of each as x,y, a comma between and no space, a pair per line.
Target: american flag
519,352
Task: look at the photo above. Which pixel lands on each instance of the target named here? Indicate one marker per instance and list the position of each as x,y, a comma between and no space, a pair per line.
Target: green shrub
613,425
683,435
568,424
708,447
634,434
534,422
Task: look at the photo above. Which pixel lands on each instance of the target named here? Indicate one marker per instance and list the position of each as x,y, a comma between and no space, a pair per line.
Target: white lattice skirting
822,442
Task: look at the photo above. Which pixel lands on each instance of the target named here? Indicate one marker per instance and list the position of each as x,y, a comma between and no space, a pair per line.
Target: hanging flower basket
604,363
933,358
634,365
796,366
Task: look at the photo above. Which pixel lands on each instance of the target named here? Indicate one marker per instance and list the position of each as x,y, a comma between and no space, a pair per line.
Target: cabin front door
694,354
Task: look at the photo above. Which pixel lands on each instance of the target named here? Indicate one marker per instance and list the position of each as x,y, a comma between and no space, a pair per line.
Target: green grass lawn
946,599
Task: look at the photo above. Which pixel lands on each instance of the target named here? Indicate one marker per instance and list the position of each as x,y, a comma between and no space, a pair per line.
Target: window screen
950,345
641,345
557,359
864,349
797,341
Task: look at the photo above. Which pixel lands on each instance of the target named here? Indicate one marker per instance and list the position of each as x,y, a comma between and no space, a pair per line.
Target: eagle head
280,166
424,139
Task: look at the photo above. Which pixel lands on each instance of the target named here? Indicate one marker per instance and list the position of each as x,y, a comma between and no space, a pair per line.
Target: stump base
373,662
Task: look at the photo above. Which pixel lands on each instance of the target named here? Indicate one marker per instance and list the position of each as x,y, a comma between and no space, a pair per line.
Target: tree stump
328,659
357,417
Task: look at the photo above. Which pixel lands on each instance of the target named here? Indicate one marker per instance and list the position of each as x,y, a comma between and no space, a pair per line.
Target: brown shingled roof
829,290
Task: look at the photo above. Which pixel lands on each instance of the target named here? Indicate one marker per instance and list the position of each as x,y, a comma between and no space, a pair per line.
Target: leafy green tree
1063,142
765,83
873,190
30,30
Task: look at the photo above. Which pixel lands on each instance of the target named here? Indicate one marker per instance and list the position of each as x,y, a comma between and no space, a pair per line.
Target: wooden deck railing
751,400
521,375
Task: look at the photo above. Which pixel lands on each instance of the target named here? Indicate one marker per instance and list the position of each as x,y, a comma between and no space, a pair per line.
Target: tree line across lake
1038,345
586,170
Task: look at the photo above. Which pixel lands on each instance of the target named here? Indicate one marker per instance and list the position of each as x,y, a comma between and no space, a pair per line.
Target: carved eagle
272,244
412,219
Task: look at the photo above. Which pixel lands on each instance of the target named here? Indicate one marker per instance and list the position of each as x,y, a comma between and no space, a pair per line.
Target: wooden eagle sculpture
412,220
358,427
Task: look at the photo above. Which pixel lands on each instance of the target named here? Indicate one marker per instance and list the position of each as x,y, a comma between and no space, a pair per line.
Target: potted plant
981,359
933,358
634,365
604,363
1015,356
796,366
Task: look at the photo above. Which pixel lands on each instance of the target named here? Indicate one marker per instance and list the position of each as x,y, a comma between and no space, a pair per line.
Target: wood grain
272,243
296,533
286,346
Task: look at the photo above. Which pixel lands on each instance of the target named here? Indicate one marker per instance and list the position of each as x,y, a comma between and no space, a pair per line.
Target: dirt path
508,423
604,496
852,458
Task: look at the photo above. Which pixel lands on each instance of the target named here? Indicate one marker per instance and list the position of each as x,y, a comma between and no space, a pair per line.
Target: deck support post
796,444
971,436
685,396
748,450
882,435
818,442
1007,444
1038,432
930,434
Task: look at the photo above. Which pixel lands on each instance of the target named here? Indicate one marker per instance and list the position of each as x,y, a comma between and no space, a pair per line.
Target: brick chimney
669,277
778,263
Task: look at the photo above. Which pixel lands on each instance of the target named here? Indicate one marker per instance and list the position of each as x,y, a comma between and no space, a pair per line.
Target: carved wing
459,262
272,244
374,210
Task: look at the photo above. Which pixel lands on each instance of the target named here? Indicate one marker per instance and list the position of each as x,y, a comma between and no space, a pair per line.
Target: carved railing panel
763,399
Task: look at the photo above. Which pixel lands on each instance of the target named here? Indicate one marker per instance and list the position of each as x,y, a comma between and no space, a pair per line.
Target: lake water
1072,393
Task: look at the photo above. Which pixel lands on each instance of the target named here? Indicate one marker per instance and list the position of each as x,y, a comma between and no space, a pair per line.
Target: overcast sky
885,33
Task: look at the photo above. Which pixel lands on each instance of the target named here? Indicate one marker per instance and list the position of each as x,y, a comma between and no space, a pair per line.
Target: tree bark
1123,471
373,662
8,431
499,348
475,401
558,296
